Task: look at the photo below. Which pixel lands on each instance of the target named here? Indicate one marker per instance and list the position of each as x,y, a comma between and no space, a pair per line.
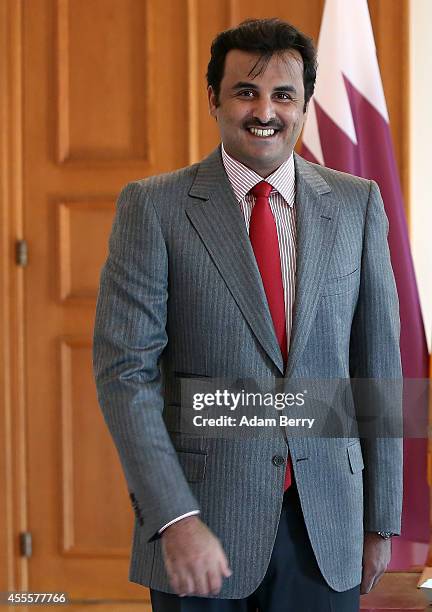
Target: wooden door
101,107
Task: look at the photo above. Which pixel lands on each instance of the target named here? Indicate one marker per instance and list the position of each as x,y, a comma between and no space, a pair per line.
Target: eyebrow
246,84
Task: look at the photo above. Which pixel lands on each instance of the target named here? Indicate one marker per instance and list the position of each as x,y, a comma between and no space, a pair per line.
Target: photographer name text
229,421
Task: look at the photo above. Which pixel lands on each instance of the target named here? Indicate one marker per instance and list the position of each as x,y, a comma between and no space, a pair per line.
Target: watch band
385,534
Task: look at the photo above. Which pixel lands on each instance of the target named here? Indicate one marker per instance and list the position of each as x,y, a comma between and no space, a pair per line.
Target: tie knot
261,190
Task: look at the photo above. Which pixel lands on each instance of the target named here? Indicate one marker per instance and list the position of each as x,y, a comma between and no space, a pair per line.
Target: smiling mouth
262,132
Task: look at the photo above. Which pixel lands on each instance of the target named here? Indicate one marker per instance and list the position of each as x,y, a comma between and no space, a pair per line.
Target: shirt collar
243,179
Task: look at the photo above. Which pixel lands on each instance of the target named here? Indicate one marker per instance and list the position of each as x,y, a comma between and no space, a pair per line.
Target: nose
263,109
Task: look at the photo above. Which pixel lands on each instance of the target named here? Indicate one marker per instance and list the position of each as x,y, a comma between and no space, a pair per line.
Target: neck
253,164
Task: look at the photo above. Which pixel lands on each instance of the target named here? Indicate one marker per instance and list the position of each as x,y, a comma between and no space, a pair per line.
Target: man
250,264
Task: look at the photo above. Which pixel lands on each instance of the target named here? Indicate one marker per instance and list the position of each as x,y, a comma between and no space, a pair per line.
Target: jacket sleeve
129,338
375,356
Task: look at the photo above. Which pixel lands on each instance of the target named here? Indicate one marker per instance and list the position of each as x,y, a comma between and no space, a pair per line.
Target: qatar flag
347,128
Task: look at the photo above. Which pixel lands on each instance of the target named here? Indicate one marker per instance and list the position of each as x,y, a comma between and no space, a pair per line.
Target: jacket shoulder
337,180
165,185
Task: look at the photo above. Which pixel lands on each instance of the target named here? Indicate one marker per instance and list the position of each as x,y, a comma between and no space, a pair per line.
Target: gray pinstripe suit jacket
181,292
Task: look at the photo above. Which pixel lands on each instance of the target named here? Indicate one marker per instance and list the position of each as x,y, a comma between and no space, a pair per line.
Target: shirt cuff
179,518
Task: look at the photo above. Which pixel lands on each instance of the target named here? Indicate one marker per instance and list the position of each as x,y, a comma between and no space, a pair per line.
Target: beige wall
420,186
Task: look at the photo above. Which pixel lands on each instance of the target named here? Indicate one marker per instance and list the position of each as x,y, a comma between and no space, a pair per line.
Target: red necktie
265,244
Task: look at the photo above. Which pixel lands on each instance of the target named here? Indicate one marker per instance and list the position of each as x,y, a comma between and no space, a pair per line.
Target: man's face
273,99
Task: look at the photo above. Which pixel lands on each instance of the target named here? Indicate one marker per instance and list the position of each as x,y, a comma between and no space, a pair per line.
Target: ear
212,101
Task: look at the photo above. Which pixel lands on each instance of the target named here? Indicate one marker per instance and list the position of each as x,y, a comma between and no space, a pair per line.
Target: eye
282,95
246,93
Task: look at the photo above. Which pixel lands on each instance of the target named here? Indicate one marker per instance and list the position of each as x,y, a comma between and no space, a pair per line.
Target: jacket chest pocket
341,284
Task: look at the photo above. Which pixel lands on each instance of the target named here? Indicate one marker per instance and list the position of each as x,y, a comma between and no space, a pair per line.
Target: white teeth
259,132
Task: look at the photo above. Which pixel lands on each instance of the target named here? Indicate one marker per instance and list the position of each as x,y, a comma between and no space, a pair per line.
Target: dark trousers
292,583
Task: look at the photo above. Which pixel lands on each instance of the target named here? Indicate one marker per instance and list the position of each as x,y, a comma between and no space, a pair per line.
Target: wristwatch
385,534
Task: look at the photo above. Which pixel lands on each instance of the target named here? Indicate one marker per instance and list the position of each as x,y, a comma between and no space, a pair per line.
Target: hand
376,557
194,558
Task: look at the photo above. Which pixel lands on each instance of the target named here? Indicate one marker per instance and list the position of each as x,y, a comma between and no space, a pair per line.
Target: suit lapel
216,216
316,222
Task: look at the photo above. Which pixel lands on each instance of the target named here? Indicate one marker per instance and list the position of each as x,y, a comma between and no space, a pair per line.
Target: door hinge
21,253
26,544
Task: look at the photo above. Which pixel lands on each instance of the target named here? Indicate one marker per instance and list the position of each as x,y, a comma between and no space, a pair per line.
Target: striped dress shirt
281,199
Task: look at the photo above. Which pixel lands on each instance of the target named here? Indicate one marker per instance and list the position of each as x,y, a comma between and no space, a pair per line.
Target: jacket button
278,460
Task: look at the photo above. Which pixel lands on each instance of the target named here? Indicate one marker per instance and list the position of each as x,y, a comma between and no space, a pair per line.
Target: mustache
263,126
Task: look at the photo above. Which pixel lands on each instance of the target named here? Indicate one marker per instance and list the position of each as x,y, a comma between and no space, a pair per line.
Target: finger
174,581
214,581
366,585
184,584
225,568
200,584
377,579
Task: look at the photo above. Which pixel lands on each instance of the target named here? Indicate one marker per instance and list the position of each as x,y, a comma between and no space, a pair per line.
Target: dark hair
264,37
